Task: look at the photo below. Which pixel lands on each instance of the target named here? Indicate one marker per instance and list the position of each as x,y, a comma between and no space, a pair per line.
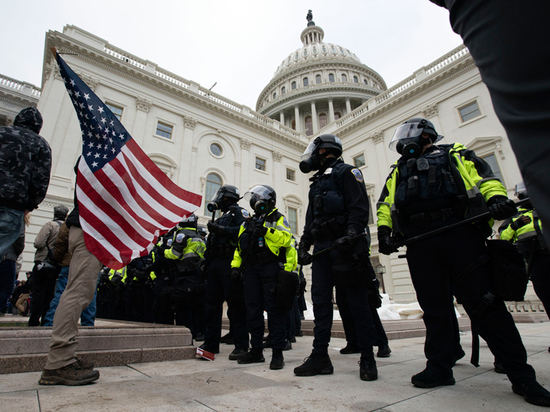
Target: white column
297,119
330,111
348,105
314,119
282,117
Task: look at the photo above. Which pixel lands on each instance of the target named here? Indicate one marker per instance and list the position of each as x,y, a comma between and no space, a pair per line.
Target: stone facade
212,140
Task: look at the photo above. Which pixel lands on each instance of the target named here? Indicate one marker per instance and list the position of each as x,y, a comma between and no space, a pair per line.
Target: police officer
525,230
261,241
181,285
430,187
221,243
139,282
336,222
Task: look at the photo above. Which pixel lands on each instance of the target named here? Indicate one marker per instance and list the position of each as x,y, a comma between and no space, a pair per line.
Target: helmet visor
408,131
261,191
310,149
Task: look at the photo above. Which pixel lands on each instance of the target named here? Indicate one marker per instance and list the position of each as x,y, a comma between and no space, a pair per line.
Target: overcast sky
237,43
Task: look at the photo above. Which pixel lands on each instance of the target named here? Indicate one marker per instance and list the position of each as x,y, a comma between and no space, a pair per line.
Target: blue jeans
7,281
10,226
87,317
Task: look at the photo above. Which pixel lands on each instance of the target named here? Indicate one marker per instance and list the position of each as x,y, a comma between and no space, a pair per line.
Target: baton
452,226
329,249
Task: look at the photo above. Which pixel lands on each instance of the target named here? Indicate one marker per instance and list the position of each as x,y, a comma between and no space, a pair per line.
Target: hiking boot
367,368
84,365
288,345
277,360
349,349
209,348
237,353
70,375
533,393
383,351
254,356
227,339
429,378
315,364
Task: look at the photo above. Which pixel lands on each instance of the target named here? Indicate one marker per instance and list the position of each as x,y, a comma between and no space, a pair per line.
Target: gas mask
411,148
259,205
311,163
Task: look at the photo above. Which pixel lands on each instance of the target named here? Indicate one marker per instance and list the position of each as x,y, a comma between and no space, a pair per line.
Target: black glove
236,275
343,243
500,207
520,222
304,257
213,227
385,242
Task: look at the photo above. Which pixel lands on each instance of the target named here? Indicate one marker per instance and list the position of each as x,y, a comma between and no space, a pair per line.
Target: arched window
318,79
293,85
213,183
309,126
337,115
274,95
293,124
331,77
355,79
283,90
322,120
344,78
306,82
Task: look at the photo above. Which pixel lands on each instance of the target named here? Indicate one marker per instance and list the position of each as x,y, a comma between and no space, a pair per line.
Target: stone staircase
112,343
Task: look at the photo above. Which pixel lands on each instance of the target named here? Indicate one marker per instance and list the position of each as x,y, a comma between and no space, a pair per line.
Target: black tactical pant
219,289
438,269
260,293
356,295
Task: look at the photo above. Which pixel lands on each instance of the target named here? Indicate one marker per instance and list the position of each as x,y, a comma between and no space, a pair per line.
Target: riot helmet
262,199
189,221
312,160
408,140
224,197
521,191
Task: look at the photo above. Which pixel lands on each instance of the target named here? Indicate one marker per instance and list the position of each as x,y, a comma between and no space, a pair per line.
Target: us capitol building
203,140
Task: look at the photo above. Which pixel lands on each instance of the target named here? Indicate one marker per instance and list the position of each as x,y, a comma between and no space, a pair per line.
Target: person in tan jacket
43,283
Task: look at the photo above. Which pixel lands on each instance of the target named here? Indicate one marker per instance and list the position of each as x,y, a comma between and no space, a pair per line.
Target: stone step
25,349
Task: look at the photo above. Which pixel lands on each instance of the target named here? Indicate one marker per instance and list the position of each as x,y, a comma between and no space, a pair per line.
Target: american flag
125,201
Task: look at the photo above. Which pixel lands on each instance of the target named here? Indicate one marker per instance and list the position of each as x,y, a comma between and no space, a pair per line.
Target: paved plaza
223,385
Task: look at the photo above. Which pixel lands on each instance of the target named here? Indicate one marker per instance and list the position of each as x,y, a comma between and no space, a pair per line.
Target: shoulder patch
169,242
245,213
358,175
180,237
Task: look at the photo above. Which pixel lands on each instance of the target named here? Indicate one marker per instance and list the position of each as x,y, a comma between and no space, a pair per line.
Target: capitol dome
317,84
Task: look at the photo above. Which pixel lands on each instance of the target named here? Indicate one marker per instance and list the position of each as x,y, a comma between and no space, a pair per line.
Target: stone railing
194,87
19,86
420,75
124,56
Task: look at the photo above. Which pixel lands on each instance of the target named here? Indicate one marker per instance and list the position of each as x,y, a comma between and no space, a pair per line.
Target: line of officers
431,187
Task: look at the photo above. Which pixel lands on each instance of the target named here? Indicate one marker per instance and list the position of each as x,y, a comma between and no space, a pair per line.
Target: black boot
367,368
350,348
277,360
430,378
237,353
383,351
210,348
533,393
315,364
255,355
